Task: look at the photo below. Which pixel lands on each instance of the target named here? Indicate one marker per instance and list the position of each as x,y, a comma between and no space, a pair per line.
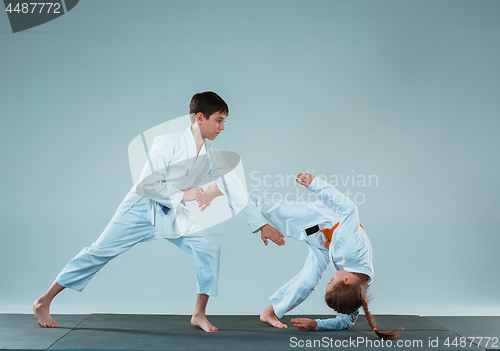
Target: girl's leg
298,288
42,305
269,316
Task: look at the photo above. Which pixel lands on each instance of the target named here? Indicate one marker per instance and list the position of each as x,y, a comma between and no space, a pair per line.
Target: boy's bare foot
202,322
42,315
268,316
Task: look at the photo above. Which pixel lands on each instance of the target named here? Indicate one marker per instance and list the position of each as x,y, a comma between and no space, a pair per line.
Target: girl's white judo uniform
153,209
349,249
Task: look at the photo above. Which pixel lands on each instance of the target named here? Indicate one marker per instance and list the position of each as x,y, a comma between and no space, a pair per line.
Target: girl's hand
210,193
304,323
304,179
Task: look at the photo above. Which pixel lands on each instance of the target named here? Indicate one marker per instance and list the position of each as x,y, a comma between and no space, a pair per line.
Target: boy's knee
100,252
213,248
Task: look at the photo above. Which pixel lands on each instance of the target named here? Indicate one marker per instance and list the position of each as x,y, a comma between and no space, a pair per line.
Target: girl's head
346,293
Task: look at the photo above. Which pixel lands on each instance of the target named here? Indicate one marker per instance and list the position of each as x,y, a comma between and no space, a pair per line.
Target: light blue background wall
408,91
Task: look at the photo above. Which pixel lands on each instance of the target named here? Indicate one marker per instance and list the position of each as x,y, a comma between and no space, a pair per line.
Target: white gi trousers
126,230
280,214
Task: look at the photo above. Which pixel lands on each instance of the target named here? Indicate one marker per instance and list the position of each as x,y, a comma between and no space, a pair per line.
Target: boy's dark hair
207,103
347,299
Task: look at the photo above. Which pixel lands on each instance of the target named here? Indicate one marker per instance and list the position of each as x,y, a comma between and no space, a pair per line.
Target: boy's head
345,292
207,103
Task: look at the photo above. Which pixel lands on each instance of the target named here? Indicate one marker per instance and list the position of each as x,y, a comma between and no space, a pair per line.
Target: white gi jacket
173,167
350,248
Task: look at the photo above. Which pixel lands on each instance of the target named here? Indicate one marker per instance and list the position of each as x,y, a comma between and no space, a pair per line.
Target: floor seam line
69,331
439,325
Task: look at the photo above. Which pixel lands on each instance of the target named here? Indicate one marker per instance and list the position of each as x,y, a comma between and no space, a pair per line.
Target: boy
154,208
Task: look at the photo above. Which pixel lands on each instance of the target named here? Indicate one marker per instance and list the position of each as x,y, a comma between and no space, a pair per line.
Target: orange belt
328,233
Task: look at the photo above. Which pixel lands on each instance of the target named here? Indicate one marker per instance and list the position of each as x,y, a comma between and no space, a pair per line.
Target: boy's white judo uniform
349,249
153,209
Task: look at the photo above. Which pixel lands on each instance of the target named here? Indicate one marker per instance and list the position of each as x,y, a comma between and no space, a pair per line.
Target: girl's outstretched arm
328,194
341,321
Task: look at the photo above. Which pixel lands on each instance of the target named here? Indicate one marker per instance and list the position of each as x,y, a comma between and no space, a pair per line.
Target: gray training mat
174,332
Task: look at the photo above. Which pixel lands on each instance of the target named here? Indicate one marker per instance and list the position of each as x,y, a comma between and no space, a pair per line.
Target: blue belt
165,209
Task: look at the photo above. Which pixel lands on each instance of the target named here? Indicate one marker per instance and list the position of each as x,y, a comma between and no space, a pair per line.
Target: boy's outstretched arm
266,231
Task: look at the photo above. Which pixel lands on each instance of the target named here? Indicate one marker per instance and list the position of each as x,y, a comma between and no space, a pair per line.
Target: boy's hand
304,323
269,232
192,194
304,179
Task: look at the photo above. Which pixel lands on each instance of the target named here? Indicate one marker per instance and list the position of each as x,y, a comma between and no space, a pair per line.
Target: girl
332,232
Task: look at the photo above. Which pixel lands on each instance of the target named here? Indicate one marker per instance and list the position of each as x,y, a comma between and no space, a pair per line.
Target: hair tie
375,329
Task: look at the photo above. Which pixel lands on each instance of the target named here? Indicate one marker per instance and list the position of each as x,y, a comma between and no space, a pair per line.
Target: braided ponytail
347,299
371,322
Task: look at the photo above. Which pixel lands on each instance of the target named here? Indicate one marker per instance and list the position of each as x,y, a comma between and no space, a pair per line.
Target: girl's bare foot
42,315
268,316
202,322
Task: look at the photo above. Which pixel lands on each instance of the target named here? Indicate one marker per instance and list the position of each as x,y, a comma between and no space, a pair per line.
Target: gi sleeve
331,197
344,249
341,321
230,185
